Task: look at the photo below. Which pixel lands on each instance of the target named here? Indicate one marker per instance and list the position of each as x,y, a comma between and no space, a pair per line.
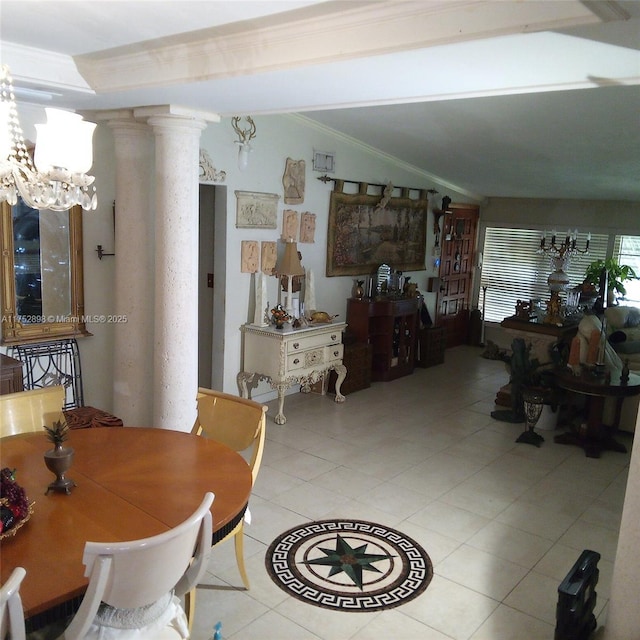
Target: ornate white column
175,369
133,339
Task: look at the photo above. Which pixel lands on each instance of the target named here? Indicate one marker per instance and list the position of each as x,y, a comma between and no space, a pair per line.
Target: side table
431,345
285,357
597,437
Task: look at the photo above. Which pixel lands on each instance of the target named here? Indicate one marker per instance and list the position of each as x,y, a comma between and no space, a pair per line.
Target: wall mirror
41,274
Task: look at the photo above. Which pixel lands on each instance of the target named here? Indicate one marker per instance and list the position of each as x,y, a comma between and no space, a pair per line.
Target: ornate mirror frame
15,332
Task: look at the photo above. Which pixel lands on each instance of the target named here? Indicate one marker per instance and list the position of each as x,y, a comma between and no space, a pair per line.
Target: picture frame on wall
362,235
256,210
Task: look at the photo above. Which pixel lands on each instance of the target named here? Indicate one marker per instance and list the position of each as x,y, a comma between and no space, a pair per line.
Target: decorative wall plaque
293,181
307,227
256,210
249,256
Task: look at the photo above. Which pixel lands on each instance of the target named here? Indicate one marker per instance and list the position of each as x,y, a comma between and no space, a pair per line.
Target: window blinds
512,269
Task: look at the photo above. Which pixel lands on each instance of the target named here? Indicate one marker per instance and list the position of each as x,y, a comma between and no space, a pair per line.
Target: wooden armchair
29,411
241,425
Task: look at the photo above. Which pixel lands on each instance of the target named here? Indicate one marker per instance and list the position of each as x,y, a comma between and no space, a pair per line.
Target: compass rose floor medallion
349,565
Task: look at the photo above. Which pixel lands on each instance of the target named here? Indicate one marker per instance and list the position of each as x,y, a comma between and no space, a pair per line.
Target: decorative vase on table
60,458
533,404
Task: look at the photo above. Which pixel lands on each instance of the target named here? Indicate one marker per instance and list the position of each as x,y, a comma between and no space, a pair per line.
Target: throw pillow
616,316
633,318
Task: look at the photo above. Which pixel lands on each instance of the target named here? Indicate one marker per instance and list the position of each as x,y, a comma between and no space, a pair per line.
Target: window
627,251
512,268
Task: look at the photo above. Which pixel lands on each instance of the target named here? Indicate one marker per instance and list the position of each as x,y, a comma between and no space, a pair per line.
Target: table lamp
289,265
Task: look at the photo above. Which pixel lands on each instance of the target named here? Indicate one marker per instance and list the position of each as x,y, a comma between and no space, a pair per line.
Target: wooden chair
11,613
241,425
29,411
136,585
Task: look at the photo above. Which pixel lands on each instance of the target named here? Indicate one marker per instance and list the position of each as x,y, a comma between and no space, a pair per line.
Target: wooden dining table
132,482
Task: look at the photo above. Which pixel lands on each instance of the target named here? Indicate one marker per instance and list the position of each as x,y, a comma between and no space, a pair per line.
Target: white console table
290,356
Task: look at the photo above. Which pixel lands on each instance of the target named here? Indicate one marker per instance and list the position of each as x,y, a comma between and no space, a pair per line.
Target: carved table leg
341,370
241,379
280,417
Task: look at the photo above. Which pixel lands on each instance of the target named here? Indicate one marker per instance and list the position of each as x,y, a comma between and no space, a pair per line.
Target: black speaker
575,619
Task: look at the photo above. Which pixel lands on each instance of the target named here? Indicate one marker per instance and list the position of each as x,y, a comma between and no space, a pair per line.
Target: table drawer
305,360
303,343
333,352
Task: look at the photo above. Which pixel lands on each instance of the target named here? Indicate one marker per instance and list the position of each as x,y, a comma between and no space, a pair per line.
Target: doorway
212,256
456,272
206,279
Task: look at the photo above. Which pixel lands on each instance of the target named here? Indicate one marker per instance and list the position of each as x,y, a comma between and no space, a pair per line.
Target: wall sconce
244,135
290,266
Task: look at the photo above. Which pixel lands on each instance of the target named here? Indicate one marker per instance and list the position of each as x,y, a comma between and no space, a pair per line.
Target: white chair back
11,613
129,575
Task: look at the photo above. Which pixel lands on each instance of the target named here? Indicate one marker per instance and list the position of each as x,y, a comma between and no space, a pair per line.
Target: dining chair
241,425
29,411
11,613
136,585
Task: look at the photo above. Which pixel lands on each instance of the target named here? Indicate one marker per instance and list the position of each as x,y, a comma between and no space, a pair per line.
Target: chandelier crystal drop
58,180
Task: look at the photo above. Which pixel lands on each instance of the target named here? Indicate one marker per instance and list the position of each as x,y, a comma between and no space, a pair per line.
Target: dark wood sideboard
391,328
10,375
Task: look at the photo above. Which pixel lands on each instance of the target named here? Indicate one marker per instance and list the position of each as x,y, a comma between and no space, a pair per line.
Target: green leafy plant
58,433
617,275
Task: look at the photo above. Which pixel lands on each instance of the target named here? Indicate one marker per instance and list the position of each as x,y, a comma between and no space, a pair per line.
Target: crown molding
323,33
431,178
40,70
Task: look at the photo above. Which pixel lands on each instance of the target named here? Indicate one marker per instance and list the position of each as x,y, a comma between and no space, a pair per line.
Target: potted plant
59,459
617,275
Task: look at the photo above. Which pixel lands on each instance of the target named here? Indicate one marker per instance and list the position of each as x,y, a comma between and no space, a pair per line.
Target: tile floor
502,522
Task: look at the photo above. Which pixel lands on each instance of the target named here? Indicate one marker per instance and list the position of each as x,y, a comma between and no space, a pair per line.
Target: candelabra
560,253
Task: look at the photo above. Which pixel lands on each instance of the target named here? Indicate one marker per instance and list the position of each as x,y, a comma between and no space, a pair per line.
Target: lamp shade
64,142
290,265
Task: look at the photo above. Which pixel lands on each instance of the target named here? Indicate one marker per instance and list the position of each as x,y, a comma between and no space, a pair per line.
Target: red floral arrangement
14,504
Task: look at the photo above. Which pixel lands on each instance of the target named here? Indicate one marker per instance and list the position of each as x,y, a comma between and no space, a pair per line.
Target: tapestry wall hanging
368,230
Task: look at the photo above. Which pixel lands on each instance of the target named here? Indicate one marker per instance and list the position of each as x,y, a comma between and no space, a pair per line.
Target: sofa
623,344
623,333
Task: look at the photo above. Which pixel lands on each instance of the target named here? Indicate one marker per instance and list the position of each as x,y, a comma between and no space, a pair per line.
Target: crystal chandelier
63,156
560,251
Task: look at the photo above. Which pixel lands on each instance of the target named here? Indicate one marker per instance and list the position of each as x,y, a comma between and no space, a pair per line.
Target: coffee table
597,436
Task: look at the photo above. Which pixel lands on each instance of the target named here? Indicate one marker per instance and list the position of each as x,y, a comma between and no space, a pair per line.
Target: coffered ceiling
514,99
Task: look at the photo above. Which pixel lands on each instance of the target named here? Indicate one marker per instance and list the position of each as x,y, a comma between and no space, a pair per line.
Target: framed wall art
256,210
362,234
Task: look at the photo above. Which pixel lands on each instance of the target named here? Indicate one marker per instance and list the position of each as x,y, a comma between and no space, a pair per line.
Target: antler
244,134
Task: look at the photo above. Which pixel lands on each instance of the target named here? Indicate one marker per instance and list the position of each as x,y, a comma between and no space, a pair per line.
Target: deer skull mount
244,135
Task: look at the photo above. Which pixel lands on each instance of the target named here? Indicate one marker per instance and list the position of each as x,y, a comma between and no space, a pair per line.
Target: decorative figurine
279,316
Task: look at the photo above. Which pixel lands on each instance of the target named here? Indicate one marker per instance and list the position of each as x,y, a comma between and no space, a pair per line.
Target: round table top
132,483
598,385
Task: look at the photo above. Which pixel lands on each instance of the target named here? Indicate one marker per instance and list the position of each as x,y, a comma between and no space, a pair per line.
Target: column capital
175,111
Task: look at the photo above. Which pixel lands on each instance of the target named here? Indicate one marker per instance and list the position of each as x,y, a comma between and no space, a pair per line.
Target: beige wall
623,617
